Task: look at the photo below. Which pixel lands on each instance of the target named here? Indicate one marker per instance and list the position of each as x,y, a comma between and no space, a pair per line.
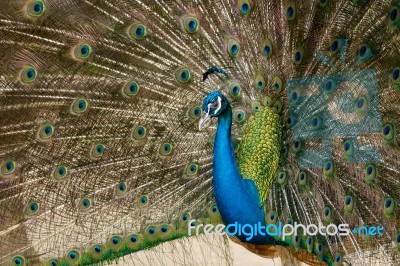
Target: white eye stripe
219,105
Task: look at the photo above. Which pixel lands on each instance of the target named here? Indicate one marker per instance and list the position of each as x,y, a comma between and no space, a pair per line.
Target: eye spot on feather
137,31
396,74
272,217
335,46
322,3
52,262
32,208
364,53
79,106
73,257
255,106
7,167
184,218
328,169
259,82
143,200
191,170
182,75
97,251
239,115
329,86
194,112
97,151
394,16
191,24
45,131
17,261
389,207
282,178
245,6
233,47
132,241
389,133
82,51
130,89
316,122
85,204
277,84
302,179
59,173
114,243
370,173
35,9
348,204
139,132
234,89
151,230
297,146
298,56
165,149
28,75
267,47
121,189
338,259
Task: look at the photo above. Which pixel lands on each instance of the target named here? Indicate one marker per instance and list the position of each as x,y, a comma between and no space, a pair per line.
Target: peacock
125,123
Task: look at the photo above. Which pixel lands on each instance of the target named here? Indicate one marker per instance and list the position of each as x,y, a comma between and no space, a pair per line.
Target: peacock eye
137,31
79,106
234,89
394,16
191,169
291,10
131,89
52,262
59,172
28,75
165,149
329,86
45,131
182,75
194,112
32,208
35,8
245,6
233,48
121,188
191,24
97,151
298,55
364,53
267,47
139,132
259,82
82,51
239,115
7,167
143,200
85,204
322,3
17,261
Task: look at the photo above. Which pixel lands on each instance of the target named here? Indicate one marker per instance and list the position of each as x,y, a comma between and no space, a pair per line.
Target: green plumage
260,149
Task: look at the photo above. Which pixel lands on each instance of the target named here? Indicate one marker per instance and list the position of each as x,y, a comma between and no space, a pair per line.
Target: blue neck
237,198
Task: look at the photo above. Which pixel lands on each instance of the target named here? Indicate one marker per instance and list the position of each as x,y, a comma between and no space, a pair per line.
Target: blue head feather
212,98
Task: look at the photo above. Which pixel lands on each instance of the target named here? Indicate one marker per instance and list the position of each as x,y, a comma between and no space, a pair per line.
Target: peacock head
214,105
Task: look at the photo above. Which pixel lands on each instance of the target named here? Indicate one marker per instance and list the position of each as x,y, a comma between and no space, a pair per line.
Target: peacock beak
204,118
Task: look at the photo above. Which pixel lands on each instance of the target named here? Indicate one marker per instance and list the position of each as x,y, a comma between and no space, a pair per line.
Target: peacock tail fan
100,152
